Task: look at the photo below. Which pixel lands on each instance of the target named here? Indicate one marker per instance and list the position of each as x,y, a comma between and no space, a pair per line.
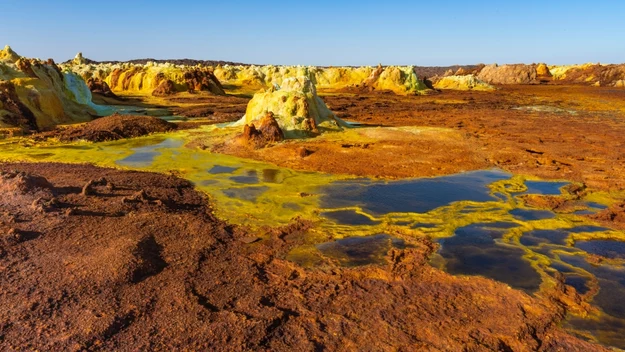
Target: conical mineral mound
8,55
296,107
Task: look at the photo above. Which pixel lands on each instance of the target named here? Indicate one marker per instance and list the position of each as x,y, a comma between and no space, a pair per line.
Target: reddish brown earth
112,128
268,131
98,86
103,259
584,146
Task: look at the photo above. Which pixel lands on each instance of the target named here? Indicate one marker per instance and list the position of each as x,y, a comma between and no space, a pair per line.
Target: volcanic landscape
204,205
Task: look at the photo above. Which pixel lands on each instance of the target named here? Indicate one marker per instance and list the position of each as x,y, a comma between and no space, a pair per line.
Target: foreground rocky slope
37,95
101,259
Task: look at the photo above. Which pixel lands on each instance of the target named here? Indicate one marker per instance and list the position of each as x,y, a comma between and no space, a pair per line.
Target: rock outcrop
98,86
542,70
467,82
268,131
149,78
400,80
37,95
590,74
295,106
509,74
165,88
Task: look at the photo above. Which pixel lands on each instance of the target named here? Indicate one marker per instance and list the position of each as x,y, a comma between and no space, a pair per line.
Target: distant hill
188,62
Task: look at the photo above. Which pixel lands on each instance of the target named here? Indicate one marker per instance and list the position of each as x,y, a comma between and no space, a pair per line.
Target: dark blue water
250,177
411,196
544,187
580,283
605,248
537,237
474,251
531,214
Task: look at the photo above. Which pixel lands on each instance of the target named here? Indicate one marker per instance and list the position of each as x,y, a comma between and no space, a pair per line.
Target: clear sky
319,32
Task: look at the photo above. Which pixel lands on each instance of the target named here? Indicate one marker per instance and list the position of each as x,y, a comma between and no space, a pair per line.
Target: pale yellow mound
401,80
296,107
39,95
468,82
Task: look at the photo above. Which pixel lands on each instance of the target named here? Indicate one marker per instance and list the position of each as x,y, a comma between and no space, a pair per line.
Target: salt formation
37,95
467,82
296,107
401,80
149,79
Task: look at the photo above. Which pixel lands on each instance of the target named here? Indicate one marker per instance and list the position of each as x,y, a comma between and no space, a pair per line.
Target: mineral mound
400,80
591,74
468,82
37,95
268,131
148,79
509,74
116,127
296,107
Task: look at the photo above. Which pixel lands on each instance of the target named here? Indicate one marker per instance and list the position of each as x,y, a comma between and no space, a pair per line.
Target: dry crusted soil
558,132
103,259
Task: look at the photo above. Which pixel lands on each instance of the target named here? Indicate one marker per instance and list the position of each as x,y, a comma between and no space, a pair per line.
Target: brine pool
477,218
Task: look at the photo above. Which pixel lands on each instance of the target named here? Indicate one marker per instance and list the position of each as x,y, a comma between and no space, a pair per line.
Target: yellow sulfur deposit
296,107
559,72
400,80
145,79
37,95
468,82
8,55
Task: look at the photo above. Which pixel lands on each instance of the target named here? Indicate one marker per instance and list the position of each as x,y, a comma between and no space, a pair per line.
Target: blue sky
319,33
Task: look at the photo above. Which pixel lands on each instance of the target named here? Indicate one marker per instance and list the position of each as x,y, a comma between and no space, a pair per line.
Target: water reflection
357,251
412,196
475,250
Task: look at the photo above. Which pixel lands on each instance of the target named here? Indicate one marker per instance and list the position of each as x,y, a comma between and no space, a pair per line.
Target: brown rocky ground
549,131
112,128
103,259
565,132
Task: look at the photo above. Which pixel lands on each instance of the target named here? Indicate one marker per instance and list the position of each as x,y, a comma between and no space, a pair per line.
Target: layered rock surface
296,107
509,74
593,74
38,95
157,79
400,80
458,82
